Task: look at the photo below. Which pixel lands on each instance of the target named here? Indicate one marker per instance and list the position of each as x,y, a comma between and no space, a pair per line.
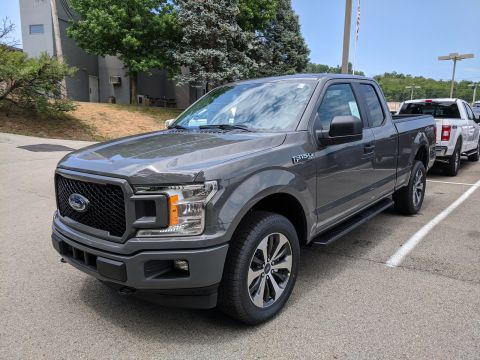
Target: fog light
181,265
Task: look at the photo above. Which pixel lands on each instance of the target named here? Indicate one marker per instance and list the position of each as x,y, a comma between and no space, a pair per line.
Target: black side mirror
477,118
343,129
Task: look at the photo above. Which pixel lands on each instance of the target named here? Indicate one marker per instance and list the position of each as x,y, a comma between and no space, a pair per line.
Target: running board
352,223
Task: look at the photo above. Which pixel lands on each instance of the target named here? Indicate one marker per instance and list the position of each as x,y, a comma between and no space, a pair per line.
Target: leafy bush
32,83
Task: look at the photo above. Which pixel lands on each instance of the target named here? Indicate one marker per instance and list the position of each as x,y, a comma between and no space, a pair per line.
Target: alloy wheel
418,187
457,160
270,269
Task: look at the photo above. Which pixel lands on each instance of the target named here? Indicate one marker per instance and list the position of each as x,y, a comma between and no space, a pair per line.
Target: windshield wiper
178,127
225,127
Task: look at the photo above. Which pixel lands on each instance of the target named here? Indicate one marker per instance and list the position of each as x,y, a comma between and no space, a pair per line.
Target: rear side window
469,112
374,107
440,110
338,101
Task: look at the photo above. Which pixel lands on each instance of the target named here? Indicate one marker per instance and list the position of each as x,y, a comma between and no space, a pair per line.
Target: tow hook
62,260
126,291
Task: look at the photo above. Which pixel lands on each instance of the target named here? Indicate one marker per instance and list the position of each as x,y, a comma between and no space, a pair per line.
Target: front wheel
261,268
409,199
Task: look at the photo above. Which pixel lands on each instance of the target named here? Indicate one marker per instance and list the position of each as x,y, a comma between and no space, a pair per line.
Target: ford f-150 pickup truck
458,132
212,211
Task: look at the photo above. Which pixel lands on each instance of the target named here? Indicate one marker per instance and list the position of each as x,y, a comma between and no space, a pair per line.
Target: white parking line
406,248
450,182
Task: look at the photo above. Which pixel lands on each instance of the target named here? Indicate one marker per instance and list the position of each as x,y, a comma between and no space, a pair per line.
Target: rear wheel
409,199
454,162
261,268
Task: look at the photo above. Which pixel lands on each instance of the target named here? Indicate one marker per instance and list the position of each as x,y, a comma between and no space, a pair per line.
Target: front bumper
150,272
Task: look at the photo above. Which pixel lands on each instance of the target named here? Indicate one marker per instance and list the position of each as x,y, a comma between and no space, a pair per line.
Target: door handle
368,148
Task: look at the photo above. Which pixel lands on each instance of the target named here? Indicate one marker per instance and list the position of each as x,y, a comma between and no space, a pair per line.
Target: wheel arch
286,194
422,155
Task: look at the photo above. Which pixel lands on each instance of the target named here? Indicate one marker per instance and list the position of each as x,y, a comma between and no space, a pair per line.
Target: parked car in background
212,211
476,108
457,129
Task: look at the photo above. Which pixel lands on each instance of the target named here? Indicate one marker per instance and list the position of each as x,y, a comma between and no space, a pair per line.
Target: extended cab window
374,107
338,101
469,111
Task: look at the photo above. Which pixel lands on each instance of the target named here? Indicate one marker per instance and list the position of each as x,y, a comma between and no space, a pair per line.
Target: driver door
344,171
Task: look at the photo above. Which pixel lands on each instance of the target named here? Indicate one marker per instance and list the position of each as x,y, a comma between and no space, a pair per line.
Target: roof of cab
306,76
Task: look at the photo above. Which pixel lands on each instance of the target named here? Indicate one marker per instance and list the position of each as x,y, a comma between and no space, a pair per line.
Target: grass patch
62,126
89,121
158,113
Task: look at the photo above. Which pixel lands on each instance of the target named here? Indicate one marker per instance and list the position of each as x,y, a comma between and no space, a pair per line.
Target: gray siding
112,66
36,12
86,65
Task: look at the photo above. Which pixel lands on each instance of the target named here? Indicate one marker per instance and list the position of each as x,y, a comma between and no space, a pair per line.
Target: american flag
358,19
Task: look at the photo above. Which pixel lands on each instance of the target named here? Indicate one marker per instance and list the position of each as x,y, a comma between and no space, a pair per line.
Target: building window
36,29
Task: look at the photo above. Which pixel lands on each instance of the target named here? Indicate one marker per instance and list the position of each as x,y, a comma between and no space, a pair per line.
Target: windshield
275,105
436,109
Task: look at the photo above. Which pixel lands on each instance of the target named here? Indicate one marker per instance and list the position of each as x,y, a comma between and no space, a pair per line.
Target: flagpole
354,56
356,38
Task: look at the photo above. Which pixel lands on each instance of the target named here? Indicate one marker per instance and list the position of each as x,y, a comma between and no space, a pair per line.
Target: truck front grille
106,209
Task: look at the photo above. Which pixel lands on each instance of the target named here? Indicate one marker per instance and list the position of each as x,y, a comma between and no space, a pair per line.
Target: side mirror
343,129
168,123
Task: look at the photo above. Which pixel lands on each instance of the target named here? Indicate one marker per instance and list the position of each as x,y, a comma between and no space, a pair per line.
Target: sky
405,36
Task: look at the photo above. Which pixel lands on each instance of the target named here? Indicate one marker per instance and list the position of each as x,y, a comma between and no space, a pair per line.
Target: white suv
457,129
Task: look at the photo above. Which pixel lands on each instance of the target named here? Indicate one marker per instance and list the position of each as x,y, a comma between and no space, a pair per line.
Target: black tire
405,202
454,162
235,298
475,156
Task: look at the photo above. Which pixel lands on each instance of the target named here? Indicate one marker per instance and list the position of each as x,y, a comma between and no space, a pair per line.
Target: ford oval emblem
78,202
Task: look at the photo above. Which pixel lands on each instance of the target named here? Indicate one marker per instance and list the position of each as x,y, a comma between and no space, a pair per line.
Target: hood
168,157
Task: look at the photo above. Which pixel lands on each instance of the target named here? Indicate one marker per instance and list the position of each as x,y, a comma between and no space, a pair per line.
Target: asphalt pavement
347,303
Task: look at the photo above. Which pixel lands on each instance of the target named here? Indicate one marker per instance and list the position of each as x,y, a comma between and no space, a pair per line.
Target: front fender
260,185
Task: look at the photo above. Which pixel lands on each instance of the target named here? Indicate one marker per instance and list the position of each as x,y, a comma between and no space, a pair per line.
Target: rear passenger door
343,170
473,128
385,138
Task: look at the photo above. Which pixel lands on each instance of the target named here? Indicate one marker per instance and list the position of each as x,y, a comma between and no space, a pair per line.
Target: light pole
346,35
474,86
413,87
455,57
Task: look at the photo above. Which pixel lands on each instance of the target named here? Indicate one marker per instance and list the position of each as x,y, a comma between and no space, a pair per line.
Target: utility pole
58,43
474,86
412,87
346,35
455,57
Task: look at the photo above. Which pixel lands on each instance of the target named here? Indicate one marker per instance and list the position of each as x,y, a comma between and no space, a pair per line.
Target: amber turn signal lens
173,210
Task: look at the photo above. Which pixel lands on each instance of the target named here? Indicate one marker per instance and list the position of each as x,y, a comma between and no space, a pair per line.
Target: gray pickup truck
212,211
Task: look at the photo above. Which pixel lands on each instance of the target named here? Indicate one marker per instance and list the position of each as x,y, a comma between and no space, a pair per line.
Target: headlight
186,207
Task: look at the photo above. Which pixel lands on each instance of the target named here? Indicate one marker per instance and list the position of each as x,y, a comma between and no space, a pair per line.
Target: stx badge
302,157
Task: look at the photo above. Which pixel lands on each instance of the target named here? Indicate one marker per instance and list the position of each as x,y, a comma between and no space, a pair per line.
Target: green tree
30,83
254,15
281,48
140,32
213,46
321,68
394,86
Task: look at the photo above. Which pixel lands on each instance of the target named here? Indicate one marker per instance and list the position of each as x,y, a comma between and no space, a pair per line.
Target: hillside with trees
394,86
